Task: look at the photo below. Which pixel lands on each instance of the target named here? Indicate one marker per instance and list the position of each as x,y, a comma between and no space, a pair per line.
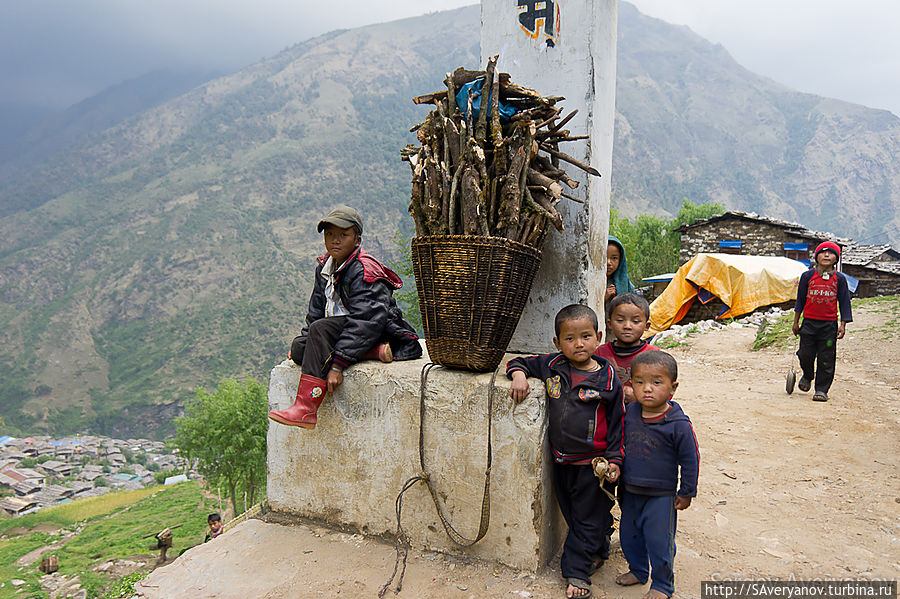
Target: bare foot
574,591
627,579
654,594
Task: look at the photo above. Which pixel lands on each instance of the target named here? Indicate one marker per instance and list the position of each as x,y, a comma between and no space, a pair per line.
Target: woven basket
472,291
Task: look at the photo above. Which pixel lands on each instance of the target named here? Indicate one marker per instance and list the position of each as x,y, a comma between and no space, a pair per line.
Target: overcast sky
57,52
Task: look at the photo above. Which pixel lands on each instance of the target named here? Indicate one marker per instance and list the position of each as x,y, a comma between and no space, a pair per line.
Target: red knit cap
828,245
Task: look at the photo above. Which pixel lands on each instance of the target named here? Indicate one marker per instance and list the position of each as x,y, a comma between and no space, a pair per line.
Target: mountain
176,247
692,123
32,139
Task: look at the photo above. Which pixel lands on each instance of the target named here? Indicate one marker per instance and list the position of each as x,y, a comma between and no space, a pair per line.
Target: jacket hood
373,270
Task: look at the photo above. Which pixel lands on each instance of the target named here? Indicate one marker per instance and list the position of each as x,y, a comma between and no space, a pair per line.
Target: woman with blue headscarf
617,280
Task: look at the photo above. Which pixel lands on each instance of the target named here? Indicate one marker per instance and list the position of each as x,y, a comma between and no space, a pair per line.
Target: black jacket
585,421
366,288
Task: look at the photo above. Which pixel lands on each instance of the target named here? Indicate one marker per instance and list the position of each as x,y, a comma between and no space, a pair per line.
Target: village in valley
39,472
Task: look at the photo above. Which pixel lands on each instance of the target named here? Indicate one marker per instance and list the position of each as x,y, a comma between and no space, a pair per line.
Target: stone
350,468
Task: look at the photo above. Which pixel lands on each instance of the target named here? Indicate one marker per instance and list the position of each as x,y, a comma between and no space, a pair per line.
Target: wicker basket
472,291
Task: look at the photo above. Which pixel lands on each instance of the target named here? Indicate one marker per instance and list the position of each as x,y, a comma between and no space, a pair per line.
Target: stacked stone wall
873,282
759,239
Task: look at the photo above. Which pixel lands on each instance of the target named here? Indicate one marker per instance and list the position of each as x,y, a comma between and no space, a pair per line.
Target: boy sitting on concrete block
352,317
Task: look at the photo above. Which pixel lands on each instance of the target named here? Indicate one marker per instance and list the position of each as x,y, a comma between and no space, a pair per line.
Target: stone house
876,267
18,506
750,234
57,468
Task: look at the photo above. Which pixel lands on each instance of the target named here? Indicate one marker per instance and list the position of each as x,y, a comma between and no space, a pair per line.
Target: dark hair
628,298
213,517
575,312
656,358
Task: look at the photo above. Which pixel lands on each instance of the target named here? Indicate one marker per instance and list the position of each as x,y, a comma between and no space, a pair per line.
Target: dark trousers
586,509
818,351
314,352
647,535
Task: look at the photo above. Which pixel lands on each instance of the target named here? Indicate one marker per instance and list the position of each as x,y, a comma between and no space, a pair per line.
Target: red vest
821,298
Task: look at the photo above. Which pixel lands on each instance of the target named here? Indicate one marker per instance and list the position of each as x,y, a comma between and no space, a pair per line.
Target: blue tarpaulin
462,101
730,244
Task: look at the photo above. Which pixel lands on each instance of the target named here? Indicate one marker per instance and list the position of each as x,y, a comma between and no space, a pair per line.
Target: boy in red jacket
822,292
627,318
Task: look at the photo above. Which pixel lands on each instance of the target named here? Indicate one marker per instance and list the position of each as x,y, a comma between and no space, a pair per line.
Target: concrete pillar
564,48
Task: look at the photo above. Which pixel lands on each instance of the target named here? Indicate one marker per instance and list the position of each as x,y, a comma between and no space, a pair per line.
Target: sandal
584,585
804,384
820,396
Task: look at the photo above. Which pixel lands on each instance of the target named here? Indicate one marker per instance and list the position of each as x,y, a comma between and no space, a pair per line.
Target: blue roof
6,439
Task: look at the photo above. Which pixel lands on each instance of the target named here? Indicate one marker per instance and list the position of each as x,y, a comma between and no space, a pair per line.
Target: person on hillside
659,441
617,280
584,403
821,294
352,316
214,521
628,316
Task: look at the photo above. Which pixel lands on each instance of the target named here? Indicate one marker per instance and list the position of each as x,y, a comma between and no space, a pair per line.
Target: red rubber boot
382,352
310,394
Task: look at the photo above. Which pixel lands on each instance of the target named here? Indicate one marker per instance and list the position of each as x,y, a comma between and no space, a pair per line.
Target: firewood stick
573,198
544,123
571,138
510,197
496,128
523,177
452,137
549,132
540,204
469,201
462,76
451,94
537,178
481,127
565,157
453,202
431,98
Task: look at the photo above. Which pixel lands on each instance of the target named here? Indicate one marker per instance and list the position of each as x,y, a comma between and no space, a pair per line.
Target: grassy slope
109,527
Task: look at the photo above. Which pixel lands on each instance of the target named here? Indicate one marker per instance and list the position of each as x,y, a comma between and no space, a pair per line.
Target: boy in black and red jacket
352,317
822,292
586,412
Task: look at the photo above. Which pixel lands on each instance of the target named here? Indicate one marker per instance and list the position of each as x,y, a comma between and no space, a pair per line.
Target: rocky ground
788,488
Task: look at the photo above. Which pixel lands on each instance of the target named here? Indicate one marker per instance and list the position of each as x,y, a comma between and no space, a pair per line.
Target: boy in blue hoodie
585,407
659,439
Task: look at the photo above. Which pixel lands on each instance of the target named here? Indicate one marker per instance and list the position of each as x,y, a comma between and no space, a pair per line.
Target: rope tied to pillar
402,543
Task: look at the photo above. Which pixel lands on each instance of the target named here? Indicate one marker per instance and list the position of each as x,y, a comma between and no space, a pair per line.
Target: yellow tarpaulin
743,283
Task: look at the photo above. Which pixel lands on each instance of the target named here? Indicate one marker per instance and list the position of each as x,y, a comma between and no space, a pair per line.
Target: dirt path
788,488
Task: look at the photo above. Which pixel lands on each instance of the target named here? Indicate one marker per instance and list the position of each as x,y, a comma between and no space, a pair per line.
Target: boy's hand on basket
520,388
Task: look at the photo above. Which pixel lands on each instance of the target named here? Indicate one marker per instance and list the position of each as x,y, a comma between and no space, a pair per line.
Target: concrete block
349,470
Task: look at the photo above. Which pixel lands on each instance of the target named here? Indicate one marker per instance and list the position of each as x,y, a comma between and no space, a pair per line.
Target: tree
224,432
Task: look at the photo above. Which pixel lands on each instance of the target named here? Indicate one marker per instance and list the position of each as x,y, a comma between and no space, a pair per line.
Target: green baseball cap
343,217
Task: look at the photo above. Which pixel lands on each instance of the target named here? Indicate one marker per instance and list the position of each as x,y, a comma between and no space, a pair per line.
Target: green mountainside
176,248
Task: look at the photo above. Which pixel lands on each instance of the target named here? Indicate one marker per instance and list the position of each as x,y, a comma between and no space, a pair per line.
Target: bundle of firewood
483,173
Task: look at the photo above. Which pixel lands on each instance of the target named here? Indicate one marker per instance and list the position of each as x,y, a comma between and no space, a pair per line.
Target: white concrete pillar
565,48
